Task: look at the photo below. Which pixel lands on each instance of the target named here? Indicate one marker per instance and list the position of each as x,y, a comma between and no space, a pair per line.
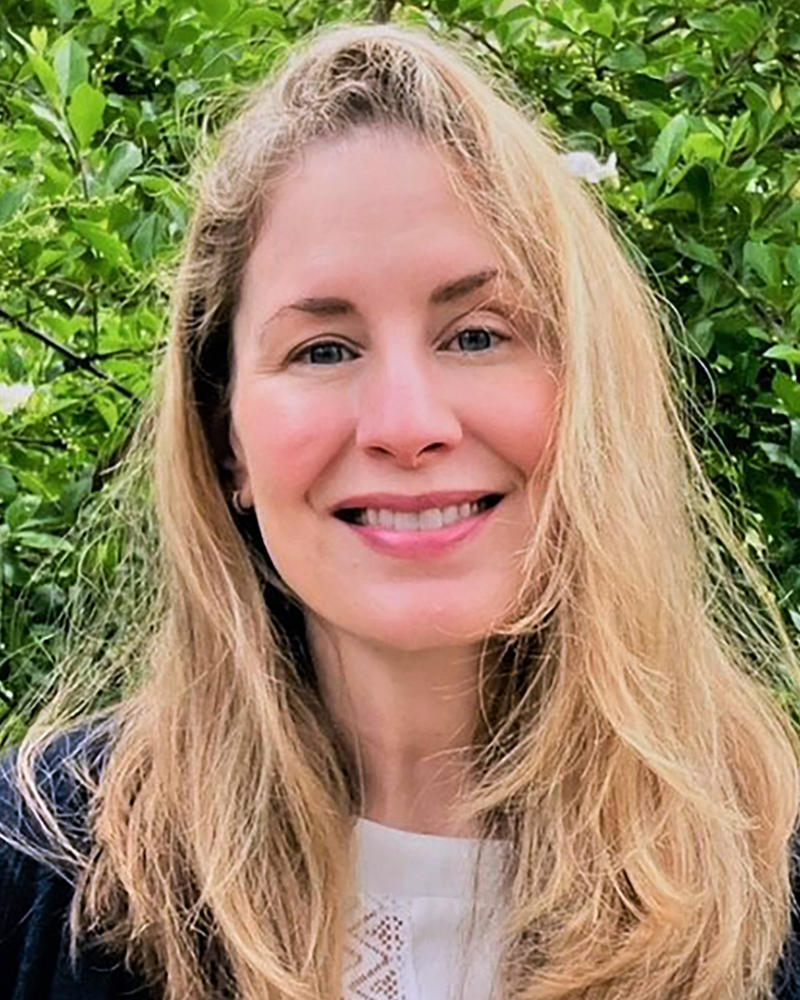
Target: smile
430,519
423,534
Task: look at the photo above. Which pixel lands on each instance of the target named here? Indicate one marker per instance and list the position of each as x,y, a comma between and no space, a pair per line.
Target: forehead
377,197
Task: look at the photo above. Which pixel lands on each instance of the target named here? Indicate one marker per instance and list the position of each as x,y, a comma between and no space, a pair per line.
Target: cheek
287,438
516,417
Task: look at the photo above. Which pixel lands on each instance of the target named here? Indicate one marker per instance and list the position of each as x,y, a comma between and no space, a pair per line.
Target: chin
419,634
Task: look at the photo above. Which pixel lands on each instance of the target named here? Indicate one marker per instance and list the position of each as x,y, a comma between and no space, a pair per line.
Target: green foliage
102,104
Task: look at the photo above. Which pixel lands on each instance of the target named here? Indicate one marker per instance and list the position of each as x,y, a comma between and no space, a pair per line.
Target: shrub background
103,105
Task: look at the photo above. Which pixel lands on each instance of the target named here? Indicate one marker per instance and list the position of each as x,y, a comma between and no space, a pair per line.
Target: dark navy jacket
35,899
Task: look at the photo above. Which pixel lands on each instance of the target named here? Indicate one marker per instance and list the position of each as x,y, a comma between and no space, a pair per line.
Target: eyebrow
331,306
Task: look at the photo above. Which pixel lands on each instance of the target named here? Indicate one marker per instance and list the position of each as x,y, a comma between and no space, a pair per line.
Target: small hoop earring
236,503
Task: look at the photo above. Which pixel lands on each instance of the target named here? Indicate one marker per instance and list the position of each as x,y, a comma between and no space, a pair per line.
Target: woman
452,693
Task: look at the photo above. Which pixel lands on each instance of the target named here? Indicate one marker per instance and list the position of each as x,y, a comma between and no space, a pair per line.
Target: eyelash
306,351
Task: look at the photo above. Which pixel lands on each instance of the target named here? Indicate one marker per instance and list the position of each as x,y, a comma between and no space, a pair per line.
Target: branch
36,442
382,11
478,37
743,57
678,22
77,360
678,78
123,352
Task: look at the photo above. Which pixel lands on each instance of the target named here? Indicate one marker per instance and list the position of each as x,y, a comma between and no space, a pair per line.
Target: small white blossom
586,166
13,396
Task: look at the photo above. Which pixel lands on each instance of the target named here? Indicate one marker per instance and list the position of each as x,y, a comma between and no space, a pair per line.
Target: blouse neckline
404,863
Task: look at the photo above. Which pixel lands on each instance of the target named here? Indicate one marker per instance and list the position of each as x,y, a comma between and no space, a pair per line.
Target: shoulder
29,850
37,882
59,778
787,978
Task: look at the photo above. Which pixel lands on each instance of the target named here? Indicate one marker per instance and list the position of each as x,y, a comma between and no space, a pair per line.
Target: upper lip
422,501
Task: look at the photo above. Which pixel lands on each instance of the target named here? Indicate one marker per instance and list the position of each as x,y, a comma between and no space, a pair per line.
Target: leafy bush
103,105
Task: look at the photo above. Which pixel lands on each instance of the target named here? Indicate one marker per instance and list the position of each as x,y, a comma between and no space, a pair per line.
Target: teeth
423,520
450,515
431,518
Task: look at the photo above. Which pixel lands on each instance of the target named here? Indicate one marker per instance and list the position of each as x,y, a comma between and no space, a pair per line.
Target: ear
236,465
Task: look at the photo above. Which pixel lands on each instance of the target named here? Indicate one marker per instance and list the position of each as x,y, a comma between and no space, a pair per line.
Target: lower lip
421,544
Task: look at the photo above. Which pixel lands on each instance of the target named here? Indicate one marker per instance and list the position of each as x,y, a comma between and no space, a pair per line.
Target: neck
408,718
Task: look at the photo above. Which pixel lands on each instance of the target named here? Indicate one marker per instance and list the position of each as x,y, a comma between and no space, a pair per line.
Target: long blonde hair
629,747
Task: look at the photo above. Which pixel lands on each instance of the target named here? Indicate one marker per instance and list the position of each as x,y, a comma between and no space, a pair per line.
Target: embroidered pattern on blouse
378,953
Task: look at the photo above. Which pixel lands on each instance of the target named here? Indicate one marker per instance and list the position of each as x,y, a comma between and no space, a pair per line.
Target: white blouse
412,939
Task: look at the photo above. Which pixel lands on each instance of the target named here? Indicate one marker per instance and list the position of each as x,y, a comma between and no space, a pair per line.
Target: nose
404,413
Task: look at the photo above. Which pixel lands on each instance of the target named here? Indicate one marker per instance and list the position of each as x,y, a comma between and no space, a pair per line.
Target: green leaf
794,440
38,37
742,25
44,73
21,510
109,245
708,285
702,146
701,337
764,260
696,251
63,9
697,180
15,365
602,23
124,159
8,485
705,21
42,541
778,455
143,242
783,352
787,390
11,200
668,144
601,113
85,112
107,409
679,201
180,37
56,122
100,7
792,262
627,58
738,129
73,496
215,10
71,64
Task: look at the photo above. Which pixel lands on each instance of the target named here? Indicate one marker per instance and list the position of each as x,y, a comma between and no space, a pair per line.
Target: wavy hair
629,745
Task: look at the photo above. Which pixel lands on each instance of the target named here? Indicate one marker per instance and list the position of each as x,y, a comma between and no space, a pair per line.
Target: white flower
13,396
586,166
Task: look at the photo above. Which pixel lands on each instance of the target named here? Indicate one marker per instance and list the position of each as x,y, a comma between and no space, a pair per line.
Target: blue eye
327,352
476,340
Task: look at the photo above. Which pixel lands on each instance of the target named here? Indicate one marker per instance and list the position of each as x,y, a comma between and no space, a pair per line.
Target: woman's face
376,362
